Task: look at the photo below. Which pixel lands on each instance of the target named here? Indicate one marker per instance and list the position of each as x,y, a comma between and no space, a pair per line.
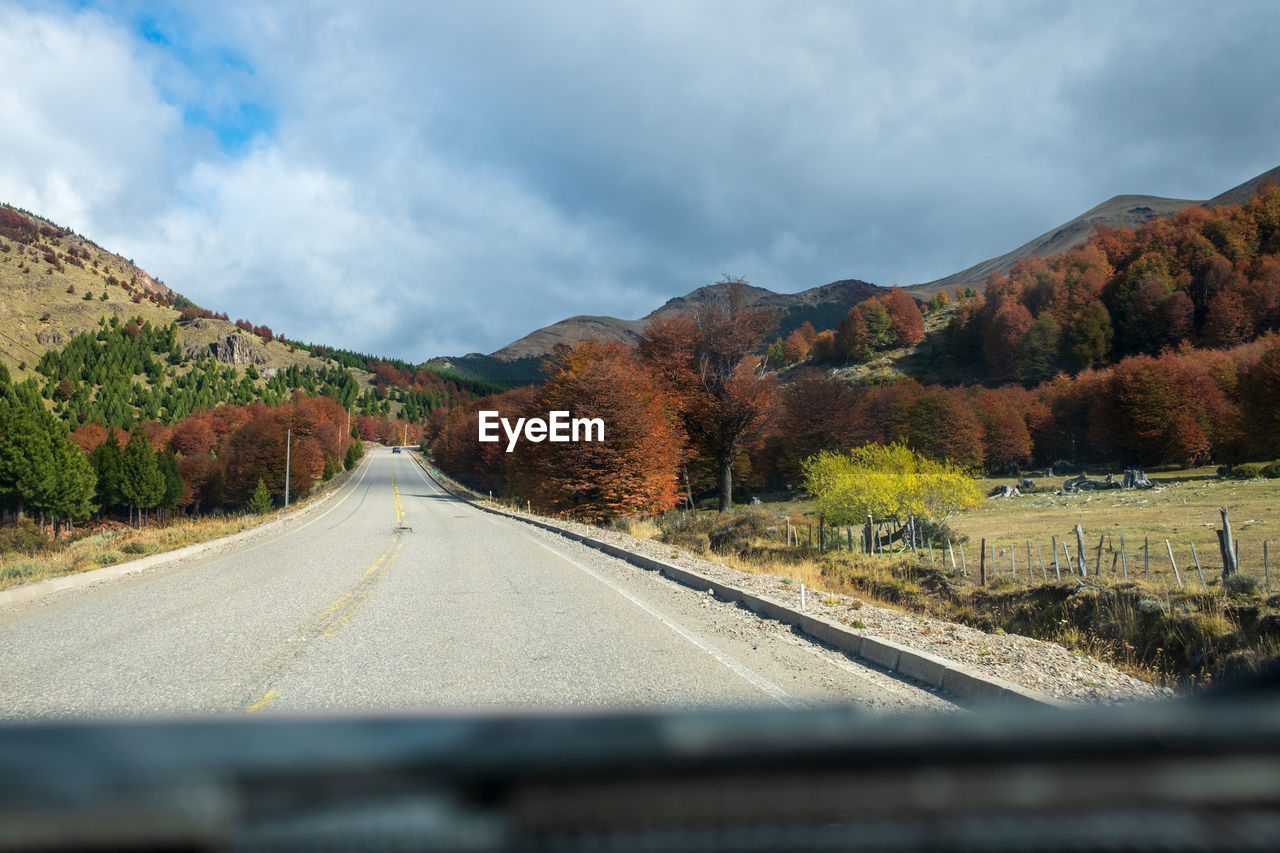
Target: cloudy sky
418,179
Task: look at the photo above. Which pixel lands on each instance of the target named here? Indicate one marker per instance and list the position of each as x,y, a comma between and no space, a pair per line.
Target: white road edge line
759,682
287,533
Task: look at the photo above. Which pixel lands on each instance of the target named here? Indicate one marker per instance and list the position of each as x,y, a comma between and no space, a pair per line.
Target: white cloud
85,137
443,179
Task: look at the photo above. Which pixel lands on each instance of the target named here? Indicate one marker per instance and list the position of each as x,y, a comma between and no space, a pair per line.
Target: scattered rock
232,349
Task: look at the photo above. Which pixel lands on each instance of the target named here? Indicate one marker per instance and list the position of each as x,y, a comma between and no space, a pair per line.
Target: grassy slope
25,296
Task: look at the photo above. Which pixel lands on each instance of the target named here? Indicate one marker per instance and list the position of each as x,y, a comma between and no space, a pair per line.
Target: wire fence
1183,563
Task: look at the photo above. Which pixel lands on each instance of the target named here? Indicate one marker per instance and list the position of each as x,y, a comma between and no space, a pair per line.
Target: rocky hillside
56,284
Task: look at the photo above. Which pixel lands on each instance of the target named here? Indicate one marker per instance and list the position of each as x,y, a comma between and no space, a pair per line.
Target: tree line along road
396,595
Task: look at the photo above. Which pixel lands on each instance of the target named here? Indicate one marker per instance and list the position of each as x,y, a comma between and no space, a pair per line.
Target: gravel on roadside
1035,664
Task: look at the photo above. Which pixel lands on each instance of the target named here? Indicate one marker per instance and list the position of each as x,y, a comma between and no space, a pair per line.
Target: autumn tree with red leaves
705,360
816,411
457,448
904,317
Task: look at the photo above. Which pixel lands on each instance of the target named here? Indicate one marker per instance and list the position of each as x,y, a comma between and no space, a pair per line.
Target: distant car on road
395,449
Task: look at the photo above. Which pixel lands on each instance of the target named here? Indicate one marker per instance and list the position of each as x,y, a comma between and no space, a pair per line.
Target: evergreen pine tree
167,462
75,482
354,451
26,459
106,459
260,503
141,481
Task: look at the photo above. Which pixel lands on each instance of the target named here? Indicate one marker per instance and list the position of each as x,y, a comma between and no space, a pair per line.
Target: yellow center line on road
340,612
344,608
265,701
395,491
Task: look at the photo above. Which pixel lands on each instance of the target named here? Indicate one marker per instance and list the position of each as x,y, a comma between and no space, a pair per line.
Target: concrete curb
41,589
955,678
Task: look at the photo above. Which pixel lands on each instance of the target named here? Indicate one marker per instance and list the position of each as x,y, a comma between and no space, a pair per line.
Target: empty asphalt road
393,595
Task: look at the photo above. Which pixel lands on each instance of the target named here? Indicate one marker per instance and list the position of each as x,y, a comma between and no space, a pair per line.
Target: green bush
1246,471
140,548
354,452
1271,471
20,571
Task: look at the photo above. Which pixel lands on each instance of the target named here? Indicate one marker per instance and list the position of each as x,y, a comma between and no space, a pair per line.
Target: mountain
823,306
1128,211
56,284
520,360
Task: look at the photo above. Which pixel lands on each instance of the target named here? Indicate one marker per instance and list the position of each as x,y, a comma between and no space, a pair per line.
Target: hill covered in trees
1145,346
1201,277
119,397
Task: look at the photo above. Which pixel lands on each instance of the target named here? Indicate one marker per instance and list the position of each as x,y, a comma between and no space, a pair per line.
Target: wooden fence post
982,564
1066,552
1040,556
1124,558
1080,551
1199,570
1173,563
964,568
1097,567
1146,556
1053,545
1266,566
951,552
1230,556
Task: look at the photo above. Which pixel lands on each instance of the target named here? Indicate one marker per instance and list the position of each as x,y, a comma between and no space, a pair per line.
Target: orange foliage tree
633,470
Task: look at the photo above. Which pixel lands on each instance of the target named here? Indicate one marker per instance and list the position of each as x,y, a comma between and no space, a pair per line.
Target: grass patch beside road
27,555
103,545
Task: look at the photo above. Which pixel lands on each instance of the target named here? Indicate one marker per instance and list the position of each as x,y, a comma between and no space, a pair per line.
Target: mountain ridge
1128,211
834,298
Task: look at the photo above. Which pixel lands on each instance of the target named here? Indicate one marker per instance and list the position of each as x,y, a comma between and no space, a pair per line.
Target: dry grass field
1183,508
1148,625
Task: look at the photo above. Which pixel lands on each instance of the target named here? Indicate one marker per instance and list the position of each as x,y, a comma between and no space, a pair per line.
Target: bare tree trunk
724,482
